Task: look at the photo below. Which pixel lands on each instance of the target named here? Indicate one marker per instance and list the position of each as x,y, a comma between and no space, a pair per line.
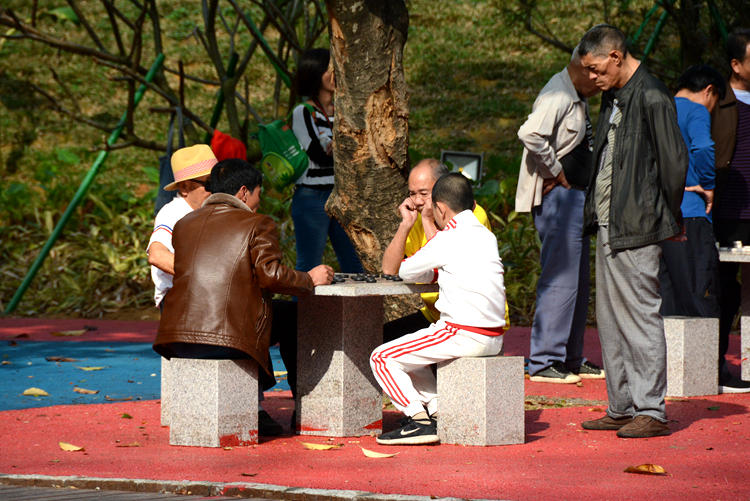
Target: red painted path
706,457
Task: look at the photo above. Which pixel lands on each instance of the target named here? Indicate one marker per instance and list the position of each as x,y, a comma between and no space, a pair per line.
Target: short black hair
737,44
308,79
602,38
698,77
230,175
454,190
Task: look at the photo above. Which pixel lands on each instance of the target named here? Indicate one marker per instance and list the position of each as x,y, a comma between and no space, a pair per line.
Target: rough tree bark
371,137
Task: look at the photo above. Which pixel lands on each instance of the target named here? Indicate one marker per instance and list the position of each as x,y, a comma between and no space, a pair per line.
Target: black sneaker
412,433
590,371
555,373
732,384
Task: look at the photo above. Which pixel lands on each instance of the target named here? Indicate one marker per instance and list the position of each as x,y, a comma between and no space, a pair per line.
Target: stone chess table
742,255
337,329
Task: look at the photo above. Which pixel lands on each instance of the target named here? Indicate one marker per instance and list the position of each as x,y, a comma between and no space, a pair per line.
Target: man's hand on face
321,274
408,212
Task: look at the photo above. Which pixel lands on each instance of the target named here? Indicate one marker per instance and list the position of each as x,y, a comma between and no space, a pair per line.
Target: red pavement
707,455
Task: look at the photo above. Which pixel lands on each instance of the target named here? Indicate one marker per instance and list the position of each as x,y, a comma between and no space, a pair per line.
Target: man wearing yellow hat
191,167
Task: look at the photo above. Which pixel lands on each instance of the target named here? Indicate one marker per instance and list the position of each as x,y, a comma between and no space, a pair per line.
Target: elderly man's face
604,71
420,183
194,191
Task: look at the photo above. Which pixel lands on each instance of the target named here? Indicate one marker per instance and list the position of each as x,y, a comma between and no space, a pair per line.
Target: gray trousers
631,330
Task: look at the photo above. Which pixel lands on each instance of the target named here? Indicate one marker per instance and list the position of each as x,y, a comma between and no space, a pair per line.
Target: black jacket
649,165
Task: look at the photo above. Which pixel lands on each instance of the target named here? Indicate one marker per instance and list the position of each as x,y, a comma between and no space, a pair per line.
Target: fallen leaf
248,474
596,409
646,469
70,447
5,362
132,444
713,408
90,368
35,392
373,454
107,397
279,373
78,332
60,359
320,447
85,391
125,415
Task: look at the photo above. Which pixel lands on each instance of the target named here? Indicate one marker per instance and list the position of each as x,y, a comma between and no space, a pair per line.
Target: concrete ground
125,448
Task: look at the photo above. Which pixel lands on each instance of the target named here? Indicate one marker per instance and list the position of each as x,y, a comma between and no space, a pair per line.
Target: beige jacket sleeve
556,124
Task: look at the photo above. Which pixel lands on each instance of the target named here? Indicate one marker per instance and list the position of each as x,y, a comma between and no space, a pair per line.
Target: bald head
431,166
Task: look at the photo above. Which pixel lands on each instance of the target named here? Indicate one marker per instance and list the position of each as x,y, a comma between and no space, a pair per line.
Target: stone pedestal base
337,395
213,403
692,356
165,392
480,401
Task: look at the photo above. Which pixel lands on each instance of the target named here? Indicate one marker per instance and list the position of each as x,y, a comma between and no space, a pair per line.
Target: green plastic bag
284,161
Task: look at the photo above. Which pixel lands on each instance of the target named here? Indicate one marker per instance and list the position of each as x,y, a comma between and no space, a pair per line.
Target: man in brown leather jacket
227,264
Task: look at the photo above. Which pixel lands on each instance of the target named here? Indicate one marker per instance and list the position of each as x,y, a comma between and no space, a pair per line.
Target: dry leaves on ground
77,332
70,447
60,359
321,447
90,368
85,391
373,454
646,469
35,392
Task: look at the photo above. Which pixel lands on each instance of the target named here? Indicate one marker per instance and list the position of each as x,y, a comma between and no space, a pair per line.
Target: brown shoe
643,427
606,423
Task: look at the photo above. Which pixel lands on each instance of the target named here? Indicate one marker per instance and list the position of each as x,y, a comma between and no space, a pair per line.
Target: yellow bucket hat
190,163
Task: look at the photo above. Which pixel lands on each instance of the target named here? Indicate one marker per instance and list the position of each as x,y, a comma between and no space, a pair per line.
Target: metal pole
81,193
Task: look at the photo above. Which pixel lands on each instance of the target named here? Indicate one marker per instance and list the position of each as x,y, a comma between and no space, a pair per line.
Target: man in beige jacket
555,170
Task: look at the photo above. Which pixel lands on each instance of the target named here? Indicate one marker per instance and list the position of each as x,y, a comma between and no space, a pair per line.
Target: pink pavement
707,455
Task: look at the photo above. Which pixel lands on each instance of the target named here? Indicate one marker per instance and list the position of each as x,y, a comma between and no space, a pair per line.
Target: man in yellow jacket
410,237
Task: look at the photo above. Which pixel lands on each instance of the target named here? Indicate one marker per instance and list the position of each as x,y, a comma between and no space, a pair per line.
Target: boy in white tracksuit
464,260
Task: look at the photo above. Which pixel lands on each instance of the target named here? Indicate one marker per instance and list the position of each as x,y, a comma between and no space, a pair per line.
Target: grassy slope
472,73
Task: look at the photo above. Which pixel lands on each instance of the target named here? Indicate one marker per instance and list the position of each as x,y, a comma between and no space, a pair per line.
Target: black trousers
727,232
689,272
283,331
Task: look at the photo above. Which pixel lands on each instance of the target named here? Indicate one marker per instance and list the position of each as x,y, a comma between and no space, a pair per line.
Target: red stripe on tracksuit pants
402,367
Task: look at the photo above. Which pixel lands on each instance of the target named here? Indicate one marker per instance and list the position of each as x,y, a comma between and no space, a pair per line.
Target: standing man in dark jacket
227,264
731,132
634,200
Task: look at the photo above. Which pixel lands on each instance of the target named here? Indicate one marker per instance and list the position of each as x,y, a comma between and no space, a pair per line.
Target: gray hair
438,168
601,39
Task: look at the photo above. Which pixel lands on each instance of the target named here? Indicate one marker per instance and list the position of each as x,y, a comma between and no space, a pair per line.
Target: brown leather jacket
227,263
724,128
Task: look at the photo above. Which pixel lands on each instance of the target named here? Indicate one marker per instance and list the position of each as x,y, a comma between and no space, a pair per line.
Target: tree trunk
371,135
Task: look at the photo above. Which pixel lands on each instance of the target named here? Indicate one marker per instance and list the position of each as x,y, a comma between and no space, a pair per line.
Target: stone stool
213,403
692,356
165,391
480,401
